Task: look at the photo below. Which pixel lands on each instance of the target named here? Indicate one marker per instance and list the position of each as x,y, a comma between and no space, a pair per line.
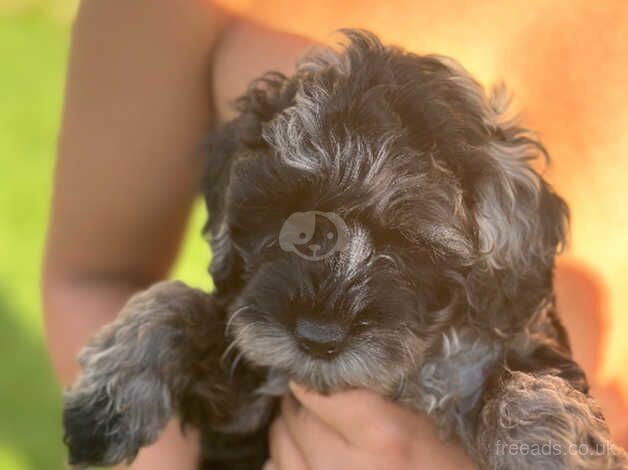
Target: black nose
322,340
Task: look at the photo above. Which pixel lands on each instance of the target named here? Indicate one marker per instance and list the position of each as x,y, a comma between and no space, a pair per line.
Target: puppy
375,222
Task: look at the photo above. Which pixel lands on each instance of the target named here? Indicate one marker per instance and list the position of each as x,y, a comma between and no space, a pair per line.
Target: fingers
321,446
355,414
362,430
298,418
284,453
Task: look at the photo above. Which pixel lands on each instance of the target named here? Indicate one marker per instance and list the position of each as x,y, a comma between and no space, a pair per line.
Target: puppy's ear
512,216
521,222
264,98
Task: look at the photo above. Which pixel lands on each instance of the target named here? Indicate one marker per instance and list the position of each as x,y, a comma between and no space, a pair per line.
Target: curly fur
442,298
543,423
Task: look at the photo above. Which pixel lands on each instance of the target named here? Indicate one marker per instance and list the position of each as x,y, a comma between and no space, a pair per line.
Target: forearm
74,309
138,102
137,105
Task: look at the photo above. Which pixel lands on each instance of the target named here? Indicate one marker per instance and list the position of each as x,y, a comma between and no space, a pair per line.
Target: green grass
33,54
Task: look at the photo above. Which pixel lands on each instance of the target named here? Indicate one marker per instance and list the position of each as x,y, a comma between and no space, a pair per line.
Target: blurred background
576,57
34,40
33,50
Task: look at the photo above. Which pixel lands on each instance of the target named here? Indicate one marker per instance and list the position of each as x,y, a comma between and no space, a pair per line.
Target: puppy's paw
94,433
539,421
107,423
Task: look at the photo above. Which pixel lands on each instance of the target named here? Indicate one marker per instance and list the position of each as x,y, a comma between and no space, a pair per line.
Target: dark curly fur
441,299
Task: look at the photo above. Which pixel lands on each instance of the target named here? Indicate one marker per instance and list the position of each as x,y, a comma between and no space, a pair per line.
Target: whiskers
233,345
411,351
225,355
238,311
234,364
241,332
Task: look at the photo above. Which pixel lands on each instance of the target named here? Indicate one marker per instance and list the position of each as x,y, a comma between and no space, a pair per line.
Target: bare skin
360,429
142,79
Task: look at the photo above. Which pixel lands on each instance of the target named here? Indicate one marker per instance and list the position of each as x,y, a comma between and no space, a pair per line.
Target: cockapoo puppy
375,222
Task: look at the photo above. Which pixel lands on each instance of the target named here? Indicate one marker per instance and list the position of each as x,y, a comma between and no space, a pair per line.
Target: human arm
138,103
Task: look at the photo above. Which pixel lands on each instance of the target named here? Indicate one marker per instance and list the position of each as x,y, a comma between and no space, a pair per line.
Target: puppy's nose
323,340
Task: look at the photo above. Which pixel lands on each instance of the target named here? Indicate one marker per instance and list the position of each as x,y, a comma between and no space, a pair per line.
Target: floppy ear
521,225
264,98
516,221
521,222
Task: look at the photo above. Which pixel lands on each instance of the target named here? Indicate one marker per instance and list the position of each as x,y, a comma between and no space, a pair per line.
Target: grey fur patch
122,364
539,422
451,383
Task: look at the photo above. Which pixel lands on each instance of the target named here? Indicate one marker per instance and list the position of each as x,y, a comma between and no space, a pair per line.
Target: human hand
356,429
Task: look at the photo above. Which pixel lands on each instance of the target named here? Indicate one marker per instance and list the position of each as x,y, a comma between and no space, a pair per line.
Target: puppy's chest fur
450,384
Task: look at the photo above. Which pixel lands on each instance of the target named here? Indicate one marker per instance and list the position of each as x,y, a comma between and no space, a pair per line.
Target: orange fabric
567,63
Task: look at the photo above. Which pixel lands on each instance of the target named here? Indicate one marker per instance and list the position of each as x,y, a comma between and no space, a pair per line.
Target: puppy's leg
539,421
164,349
